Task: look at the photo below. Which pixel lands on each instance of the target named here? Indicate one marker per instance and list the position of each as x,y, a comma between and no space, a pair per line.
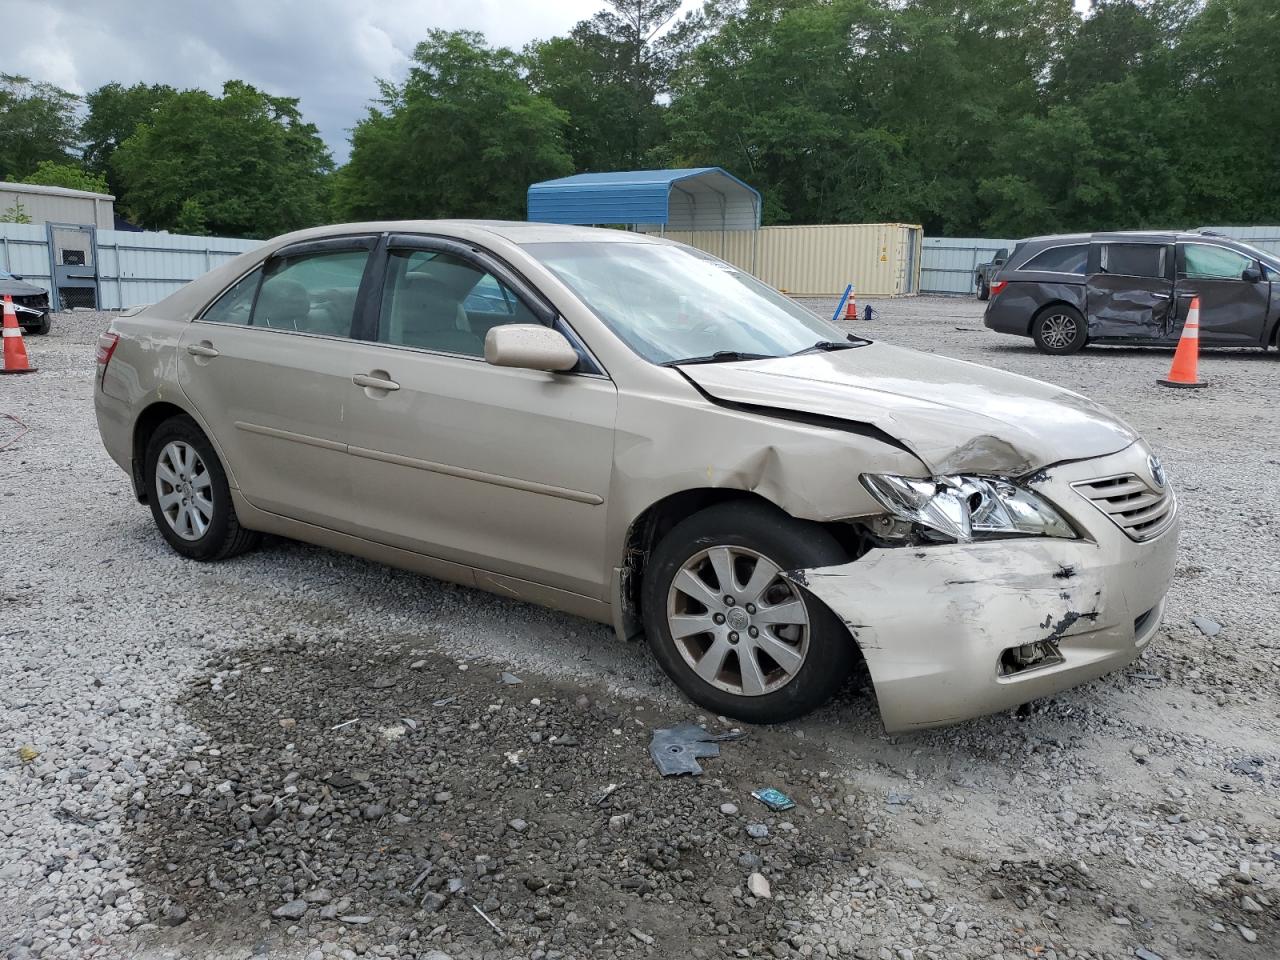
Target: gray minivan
1135,288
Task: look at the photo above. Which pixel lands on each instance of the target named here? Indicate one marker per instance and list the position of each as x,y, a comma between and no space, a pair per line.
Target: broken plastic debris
1210,628
678,749
773,799
897,799
510,678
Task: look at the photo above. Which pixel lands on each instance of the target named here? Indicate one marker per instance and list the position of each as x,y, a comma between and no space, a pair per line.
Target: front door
1235,296
268,367
1130,290
501,469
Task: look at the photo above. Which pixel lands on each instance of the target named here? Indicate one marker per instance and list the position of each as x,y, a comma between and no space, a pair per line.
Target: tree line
984,117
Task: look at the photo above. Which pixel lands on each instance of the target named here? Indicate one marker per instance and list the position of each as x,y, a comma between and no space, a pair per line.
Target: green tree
247,160
114,113
610,75
37,122
463,136
72,175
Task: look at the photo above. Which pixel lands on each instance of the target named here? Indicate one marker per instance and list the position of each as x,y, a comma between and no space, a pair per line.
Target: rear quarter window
1068,259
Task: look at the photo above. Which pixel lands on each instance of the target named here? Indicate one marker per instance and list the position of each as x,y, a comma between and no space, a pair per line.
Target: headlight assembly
965,508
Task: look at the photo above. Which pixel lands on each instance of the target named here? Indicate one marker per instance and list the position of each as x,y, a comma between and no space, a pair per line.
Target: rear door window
1069,259
1202,261
1134,259
311,293
236,304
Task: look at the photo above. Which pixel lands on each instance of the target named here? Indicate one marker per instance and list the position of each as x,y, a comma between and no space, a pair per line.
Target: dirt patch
453,790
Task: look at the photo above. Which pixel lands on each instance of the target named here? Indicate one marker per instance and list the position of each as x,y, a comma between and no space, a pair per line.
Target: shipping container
880,259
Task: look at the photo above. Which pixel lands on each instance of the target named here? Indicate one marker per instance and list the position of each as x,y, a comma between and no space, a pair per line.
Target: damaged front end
979,594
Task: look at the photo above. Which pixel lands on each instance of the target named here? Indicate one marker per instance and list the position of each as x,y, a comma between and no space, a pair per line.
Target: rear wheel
189,495
984,292
1059,329
727,624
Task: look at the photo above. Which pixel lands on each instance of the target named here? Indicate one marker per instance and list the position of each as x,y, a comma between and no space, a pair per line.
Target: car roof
1139,236
514,231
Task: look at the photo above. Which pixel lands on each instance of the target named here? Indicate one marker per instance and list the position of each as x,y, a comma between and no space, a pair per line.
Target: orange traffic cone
851,308
1186,358
15,351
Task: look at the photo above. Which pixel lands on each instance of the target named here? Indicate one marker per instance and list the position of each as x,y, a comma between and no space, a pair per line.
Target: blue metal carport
697,198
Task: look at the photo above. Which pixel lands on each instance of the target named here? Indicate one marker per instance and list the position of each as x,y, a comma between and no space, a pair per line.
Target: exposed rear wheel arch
146,425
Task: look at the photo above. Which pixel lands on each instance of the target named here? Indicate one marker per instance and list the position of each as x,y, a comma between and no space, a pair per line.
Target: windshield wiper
721,356
824,346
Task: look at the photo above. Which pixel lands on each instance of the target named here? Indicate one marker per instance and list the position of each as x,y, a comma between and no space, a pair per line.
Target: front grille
1135,505
36,301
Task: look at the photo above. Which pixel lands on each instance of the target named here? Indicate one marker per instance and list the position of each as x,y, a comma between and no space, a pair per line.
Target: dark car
1135,288
984,273
35,318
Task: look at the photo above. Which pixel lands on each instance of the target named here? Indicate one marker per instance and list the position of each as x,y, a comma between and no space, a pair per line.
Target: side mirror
529,346
1251,275
16,276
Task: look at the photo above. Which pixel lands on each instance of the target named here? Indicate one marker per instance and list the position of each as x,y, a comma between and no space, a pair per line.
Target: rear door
268,368
1129,292
502,469
1235,297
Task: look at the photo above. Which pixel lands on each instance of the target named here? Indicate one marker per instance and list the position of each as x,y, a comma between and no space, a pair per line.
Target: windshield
670,303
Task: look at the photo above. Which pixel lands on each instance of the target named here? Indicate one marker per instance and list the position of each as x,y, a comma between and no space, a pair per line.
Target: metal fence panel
947,263
137,268
1264,238
24,250
133,268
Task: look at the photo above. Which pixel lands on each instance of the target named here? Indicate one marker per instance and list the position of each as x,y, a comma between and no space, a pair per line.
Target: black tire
984,292
41,328
223,537
790,544
1047,330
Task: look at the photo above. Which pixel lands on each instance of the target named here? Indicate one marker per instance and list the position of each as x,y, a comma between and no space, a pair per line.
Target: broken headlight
964,508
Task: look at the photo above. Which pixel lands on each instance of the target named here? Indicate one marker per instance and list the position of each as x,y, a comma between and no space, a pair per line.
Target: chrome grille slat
1133,503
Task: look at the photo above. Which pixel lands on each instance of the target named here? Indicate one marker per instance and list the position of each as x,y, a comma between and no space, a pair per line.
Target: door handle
374,383
202,349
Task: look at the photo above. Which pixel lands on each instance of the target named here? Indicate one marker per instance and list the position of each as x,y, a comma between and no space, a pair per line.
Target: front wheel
728,625
189,495
1059,330
41,328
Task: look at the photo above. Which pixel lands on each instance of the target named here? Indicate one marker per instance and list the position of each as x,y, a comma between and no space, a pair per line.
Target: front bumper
935,624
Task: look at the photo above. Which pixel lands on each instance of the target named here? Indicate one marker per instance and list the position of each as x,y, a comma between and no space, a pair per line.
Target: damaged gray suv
635,432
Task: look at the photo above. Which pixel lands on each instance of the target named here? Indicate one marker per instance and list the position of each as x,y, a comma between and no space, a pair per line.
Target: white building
59,204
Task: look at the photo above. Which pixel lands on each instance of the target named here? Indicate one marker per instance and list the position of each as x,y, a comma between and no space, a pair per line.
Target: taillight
998,286
106,347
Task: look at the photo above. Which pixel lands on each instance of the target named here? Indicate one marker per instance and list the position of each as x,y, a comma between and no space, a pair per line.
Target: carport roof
694,198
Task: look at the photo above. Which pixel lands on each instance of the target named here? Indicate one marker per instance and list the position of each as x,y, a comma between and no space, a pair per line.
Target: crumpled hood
957,417
18,288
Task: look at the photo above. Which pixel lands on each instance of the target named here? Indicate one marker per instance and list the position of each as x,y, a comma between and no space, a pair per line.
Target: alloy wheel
184,489
1058,331
737,622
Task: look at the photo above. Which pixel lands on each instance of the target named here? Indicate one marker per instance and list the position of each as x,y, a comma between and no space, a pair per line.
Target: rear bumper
937,625
1003,317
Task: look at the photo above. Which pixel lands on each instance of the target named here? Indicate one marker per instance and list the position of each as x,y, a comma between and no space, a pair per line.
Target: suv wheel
189,495
728,626
1059,330
984,292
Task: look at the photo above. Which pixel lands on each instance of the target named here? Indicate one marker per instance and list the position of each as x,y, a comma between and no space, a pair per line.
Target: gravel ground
179,776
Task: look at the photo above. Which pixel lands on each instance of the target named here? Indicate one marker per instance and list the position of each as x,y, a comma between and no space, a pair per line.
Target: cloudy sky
325,52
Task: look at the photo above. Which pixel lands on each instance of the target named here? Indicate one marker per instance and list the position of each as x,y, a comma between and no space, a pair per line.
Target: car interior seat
425,314
283,304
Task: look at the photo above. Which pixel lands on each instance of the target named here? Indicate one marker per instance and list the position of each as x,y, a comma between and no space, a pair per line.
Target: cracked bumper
932,622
